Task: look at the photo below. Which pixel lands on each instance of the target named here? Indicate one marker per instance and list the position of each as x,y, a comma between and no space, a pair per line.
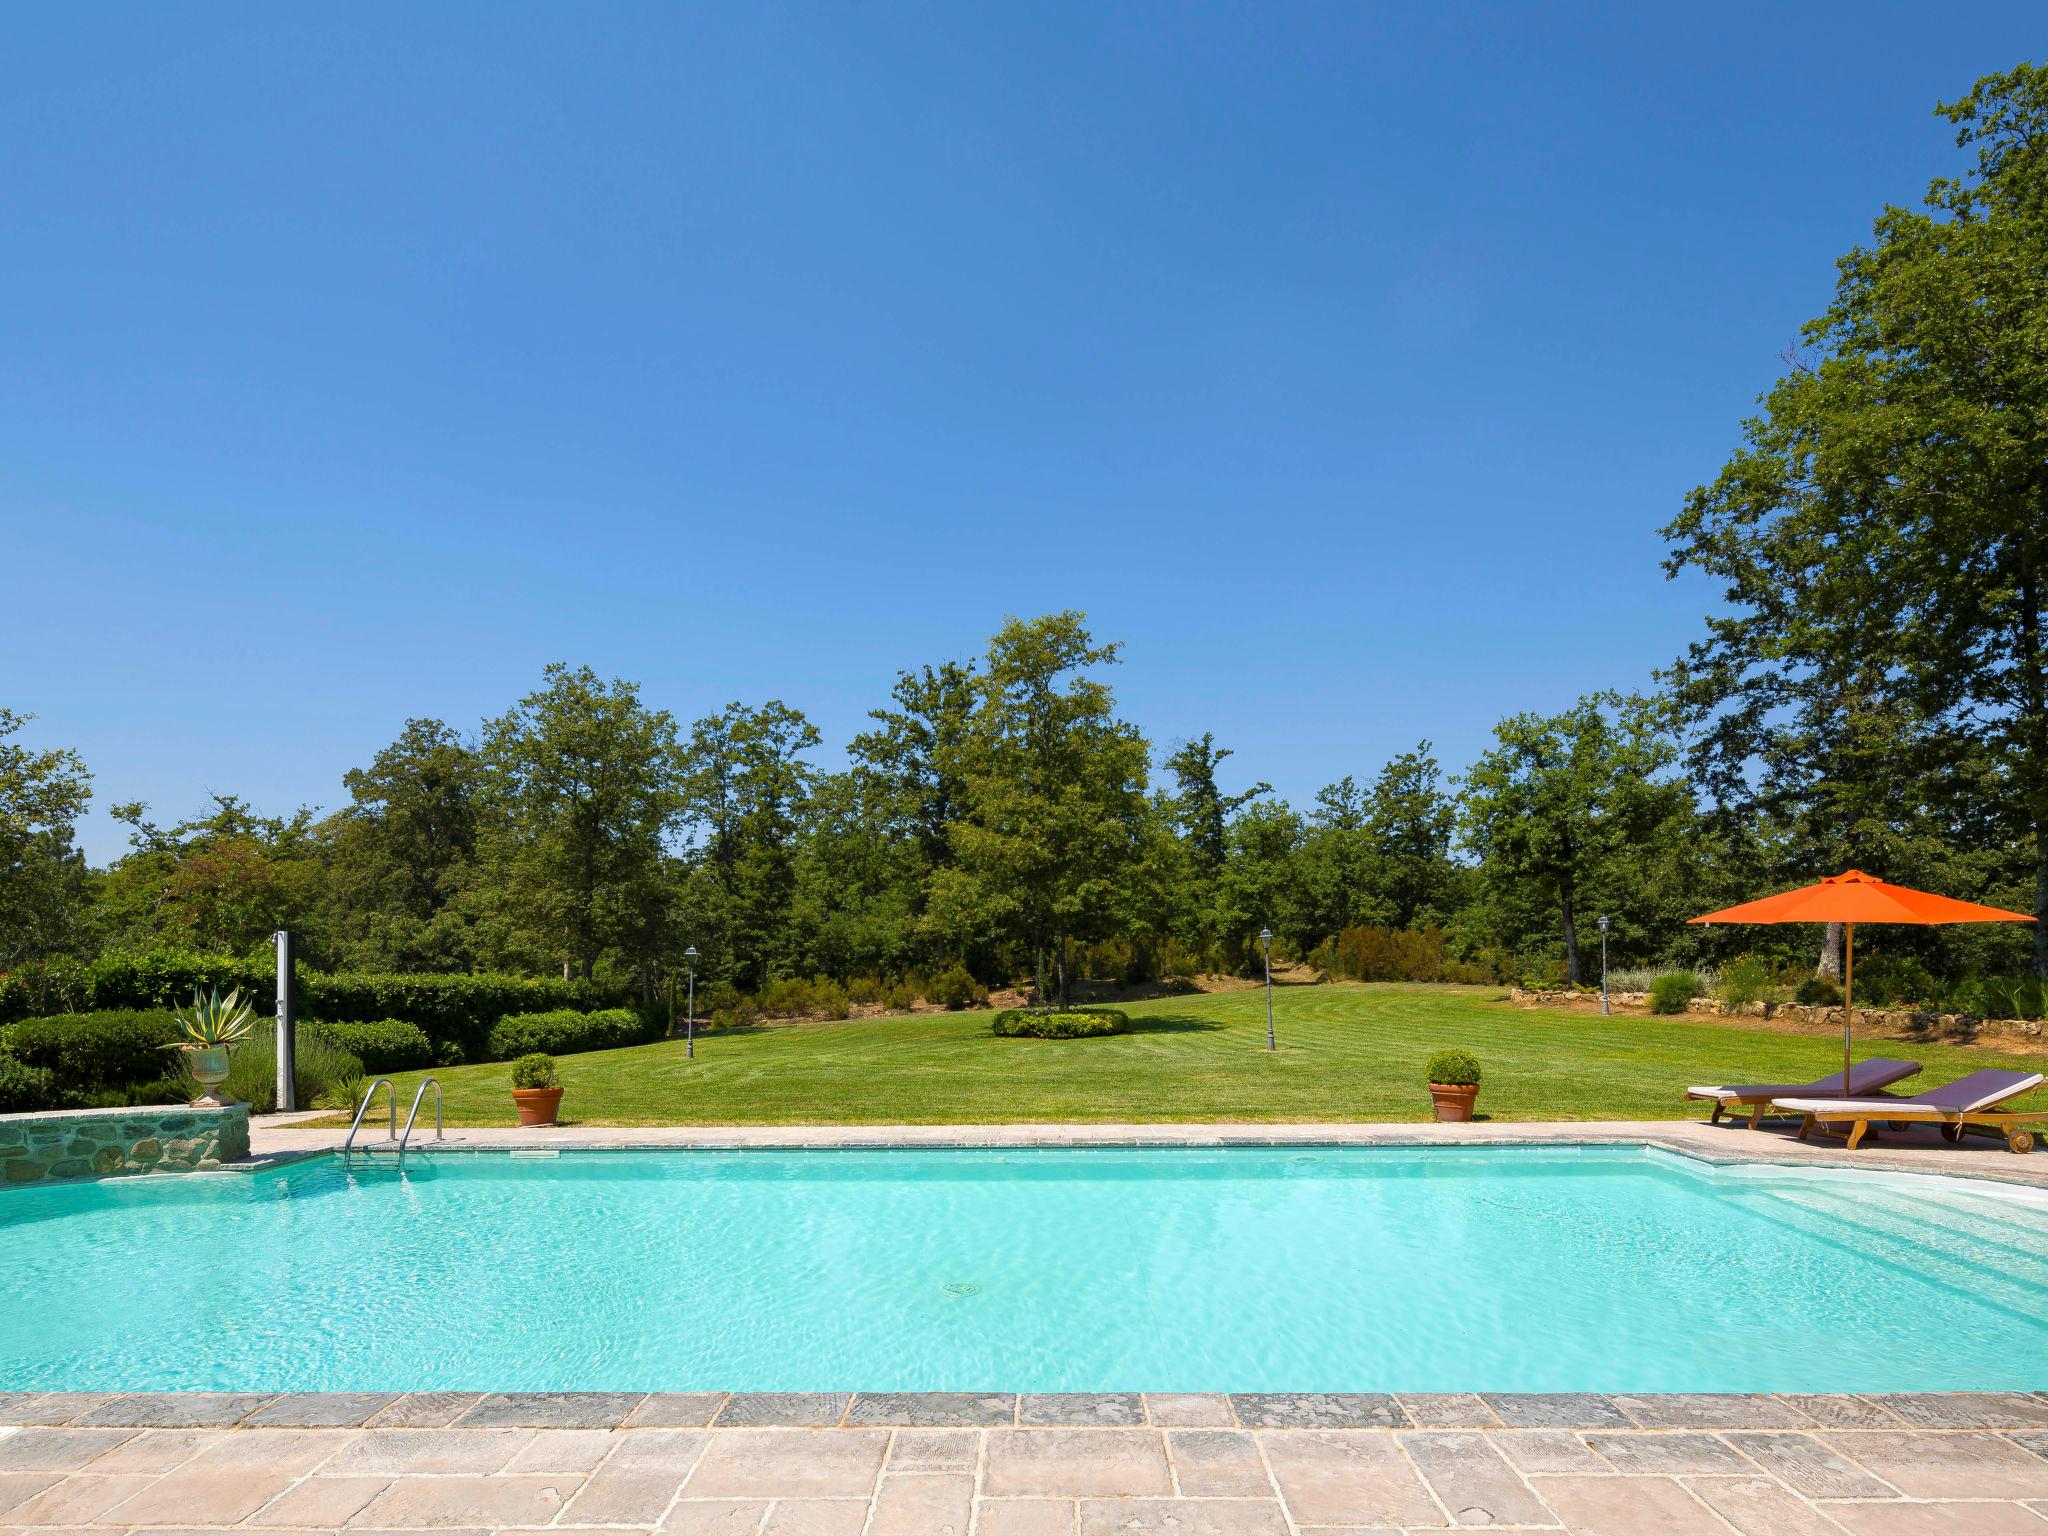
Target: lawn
1347,1052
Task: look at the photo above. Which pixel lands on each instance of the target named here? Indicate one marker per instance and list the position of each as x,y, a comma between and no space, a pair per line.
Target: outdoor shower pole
1266,938
287,1053
690,1014
1603,966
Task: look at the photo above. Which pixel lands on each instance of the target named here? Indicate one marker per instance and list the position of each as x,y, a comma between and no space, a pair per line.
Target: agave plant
214,1020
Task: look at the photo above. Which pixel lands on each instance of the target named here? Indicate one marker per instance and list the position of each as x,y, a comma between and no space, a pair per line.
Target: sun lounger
1866,1077
1966,1104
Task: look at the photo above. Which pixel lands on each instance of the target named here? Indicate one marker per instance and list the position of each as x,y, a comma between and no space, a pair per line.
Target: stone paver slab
1937,1519
934,1450
1075,1463
798,1409
398,1451
321,1503
1547,1450
18,1488
313,1410
789,1463
202,1495
1447,1410
1967,1410
50,1407
1026,1517
1760,1506
1840,1410
1189,1410
1110,1408
552,1410
427,1502
1330,1477
936,1410
78,1500
1556,1410
1217,1463
1682,1451
1711,1410
1318,1410
566,1450
1472,1480
175,1410
154,1450
640,1478
815,1517
714,1517
923,1504
1627,1506
676,1410
58,1450
426,1410
1182,1517
1967,1465
293,1451
1805,1465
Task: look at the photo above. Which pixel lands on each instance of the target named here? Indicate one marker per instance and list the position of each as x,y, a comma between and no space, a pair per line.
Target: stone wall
110,1143
1887,1023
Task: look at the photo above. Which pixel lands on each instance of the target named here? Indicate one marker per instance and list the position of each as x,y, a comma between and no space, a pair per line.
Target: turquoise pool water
1356,1269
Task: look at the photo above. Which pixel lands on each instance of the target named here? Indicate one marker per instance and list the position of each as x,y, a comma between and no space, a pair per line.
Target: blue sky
1342,361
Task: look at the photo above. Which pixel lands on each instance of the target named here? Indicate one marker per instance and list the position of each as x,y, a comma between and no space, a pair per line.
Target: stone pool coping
1918,1151
1002,1464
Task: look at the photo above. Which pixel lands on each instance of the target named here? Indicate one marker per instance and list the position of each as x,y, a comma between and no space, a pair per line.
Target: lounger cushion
1867,1077
1966,1095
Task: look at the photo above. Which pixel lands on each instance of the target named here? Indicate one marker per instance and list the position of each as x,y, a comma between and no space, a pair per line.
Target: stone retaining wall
1892,1023
110,1143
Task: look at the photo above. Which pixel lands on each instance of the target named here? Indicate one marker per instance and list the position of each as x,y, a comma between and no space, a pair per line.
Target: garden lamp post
690,1011
1603,965
1266,939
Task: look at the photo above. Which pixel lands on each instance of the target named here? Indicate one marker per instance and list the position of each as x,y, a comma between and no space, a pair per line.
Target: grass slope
1347,1052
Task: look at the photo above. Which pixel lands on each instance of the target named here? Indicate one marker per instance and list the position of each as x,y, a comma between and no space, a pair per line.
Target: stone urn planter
1453,1083
537,1106
208,1066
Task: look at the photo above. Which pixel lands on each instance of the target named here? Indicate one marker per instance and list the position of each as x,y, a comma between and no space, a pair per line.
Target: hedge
92,1054
1067,1024
23,1087
565,1032
385,1045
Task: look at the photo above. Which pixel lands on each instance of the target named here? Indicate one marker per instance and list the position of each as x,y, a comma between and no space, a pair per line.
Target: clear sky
1343,361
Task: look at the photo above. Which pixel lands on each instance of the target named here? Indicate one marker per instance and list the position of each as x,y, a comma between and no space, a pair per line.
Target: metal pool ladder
394,1136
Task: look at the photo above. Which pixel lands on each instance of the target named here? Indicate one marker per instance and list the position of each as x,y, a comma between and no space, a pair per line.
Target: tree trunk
1830,954
1066,975
1571,938
2034,757
1038,974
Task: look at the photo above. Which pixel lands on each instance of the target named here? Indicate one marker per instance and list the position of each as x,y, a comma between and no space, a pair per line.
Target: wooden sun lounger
1969,1103
1866,1078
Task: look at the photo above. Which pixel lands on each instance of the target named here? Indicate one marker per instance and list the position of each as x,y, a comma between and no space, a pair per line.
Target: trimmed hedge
24,1087
458,1010
90,1054
1055,1024
564,1032
384,1045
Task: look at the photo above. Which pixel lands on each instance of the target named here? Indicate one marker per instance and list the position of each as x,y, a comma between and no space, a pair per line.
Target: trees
223,882
42,876
581,789
1412,822
1570,809
1055,807
1202,815
1883,532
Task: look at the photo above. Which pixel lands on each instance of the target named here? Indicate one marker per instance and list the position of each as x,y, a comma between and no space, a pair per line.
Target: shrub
565,1032
785,999
1883,980
1453,1068
867,991
1819,992
384,1045
344,1093
96,1053
900,998
23,1087
2028,999
1060,1024
1398,954
447,1008
956,988
1744,981
536,1069
317,1064
1671,992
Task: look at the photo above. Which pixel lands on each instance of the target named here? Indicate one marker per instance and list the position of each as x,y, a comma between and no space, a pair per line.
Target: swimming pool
1059,1269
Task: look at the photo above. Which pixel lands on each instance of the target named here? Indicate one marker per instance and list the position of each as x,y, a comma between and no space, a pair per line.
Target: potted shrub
1453,1083
213,1027
536,1088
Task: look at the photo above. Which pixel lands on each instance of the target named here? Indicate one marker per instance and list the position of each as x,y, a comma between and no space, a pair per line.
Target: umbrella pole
1848,1000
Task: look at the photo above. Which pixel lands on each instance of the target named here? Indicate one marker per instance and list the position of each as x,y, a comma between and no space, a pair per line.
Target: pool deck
799,1464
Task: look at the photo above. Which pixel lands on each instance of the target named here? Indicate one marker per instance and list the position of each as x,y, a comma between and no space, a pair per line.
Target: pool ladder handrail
433,1083
364,1108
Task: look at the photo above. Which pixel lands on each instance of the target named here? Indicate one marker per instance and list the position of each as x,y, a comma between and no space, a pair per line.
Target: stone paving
993,1464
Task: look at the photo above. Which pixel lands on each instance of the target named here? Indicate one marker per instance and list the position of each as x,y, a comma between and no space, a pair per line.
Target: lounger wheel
2019,1141
1952,1134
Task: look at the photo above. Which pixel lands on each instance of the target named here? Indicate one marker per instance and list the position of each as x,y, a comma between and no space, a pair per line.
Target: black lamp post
1266,939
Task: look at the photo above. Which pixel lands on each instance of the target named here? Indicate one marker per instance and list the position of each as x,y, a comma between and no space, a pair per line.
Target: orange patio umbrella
1850,898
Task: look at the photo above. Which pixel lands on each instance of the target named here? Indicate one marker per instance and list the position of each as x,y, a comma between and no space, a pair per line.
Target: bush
457,1009
1819,992
89,1054
23,1087
383,1045
1671,992
1060,1024
565,1032
1398,954
1744,981
536,1069
344,1094
740,1013
1883,980
829,1000
867,991
785,999
1452,1068
956,988
317,1064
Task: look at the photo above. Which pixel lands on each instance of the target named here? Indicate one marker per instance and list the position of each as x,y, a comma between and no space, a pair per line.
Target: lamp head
690,953
1603,925
1266,937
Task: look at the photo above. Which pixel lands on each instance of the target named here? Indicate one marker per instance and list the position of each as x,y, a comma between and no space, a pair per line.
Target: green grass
1347,1052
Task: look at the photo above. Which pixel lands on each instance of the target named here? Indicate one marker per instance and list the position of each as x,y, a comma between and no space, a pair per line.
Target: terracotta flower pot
208,1065
537,1106
1453,1100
